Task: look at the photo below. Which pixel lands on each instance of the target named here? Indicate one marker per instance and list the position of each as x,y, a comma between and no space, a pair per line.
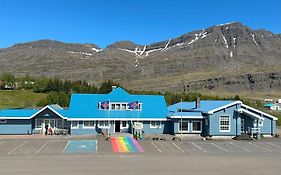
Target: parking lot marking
65,147
41,147
260,147
219,147
198,147
273,145
178,147
10,152
156,147
245,149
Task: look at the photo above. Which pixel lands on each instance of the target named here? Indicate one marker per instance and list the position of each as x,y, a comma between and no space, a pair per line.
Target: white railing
254,130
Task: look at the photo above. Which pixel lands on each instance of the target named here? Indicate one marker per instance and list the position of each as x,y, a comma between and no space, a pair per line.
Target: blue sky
142,21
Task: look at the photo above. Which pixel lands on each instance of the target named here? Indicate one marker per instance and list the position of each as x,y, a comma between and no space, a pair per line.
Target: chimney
197,103
113,87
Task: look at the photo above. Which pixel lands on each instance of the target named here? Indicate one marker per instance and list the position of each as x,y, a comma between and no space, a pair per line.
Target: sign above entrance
138,125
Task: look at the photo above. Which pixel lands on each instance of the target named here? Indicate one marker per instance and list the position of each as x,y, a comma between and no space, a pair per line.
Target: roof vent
197,104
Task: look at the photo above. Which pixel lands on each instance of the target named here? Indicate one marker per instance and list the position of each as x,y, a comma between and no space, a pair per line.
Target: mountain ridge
231,49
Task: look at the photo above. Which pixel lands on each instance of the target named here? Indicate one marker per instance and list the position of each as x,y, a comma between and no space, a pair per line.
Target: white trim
223,107
229,123
46,108
121,119
188,117
256,110
155,127
104,127
241,110
192,131
127,125
260,122
188,127
76,127
89,127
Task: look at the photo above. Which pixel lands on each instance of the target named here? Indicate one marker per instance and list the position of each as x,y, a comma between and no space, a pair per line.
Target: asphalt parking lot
96,156
37,147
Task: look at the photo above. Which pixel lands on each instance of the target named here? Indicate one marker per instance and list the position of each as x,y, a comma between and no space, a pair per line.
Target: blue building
120,111
220,118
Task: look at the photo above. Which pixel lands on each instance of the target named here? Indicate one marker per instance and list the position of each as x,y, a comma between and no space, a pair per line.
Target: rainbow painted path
125,144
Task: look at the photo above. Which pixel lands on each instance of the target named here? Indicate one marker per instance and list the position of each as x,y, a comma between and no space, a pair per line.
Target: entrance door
242,125
117,126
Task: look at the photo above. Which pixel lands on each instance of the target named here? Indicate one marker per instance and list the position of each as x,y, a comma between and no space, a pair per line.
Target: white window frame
260,122
155,126
103,126
200,127
188,127
89,127
75,127
127,125
3,121
40,125
229,123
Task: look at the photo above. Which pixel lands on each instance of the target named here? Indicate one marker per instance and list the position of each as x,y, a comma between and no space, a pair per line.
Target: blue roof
18,112
86,106
205,105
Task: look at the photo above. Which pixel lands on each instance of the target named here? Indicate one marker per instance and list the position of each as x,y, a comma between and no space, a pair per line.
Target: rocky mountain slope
221,56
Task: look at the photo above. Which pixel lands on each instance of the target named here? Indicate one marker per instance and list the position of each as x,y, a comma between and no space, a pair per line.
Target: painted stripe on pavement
219,147
198,147
245,149
156,147
10,152
260,147
177,147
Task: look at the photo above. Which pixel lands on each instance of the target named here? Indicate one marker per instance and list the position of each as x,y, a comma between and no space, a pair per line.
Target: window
260,122
74,125
59,123
117,106
224,124
103,124
124,124
183,126
38,123
112,106
123,106
3,121
196,126
155,124
88,124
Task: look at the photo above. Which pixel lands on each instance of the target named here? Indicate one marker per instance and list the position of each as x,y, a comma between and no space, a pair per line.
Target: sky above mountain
142,21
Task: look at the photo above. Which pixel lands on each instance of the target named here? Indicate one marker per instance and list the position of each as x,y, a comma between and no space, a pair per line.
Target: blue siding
176,123
235,122
85,131
16,127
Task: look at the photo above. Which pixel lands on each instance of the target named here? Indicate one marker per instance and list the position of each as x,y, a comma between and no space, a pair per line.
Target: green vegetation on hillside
19,99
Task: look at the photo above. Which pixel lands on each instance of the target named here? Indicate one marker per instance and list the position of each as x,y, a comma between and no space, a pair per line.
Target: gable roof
258,111
85,106
206,106
54,108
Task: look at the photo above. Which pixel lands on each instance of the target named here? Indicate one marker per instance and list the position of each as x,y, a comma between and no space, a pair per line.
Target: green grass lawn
19,99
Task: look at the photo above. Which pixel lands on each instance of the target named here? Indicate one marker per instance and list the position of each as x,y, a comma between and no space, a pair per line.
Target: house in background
120,111
272,106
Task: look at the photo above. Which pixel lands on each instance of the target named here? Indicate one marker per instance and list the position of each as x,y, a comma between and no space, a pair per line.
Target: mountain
229,56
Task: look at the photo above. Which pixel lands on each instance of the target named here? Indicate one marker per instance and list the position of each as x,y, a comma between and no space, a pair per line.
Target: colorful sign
125,145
